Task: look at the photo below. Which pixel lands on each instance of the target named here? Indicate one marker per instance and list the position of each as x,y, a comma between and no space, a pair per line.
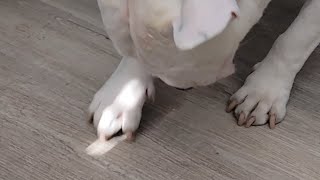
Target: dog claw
130,136
242,119
103,137
232,105
250,122
272,121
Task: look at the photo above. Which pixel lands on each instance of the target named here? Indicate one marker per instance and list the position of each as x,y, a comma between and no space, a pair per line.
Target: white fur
145,39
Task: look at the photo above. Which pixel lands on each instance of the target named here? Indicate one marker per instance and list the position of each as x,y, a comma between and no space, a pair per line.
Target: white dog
189,43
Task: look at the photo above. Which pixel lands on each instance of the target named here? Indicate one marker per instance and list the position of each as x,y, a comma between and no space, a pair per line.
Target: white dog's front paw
118,104
264,95
121,112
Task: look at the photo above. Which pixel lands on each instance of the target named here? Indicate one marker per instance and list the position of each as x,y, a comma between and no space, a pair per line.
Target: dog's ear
201,20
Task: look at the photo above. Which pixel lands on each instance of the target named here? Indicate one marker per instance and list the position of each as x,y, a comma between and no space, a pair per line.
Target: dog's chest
142,29
151,31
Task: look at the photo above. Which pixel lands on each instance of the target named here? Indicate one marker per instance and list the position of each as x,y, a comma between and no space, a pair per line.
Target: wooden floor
54,56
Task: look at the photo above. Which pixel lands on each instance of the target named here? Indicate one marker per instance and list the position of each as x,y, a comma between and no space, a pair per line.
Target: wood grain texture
54,56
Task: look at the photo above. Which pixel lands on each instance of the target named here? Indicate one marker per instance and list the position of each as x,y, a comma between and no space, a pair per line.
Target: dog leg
266,91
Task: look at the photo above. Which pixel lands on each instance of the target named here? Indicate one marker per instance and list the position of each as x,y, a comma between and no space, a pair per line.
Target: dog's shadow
167,98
